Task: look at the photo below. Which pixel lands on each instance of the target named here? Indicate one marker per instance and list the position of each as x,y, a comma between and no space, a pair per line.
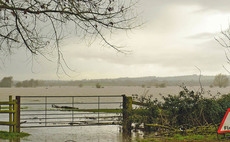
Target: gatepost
17,117
127,112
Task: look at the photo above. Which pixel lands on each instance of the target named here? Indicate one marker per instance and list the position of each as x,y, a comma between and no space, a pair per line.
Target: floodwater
108,133
107,90
73,134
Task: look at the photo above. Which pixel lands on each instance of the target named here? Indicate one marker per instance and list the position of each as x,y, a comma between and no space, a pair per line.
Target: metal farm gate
59,111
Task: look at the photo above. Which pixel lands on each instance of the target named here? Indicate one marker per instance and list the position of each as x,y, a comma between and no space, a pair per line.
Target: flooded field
110,133
107,90
73,134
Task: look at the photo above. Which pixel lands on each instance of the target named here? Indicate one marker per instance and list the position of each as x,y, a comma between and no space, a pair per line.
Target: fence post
10,115
127,112
15,115
18,102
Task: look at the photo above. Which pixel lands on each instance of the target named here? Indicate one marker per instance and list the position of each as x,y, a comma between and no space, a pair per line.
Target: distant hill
188,80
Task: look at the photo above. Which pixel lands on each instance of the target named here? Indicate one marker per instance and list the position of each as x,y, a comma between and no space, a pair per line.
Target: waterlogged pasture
87,133
107,90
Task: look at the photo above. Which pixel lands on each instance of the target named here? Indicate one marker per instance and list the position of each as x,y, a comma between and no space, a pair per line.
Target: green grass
95,110
7,135
188,138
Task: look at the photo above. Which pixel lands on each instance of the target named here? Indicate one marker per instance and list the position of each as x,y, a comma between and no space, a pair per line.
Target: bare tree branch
39,24
201,87
224,41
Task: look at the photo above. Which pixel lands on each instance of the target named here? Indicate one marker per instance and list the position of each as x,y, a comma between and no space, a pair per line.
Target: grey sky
177,37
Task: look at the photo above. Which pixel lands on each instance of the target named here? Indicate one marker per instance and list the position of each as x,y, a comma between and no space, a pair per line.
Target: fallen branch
65,107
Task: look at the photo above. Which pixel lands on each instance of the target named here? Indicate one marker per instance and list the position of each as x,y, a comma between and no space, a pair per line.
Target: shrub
98,85
221,80
160,85
146,114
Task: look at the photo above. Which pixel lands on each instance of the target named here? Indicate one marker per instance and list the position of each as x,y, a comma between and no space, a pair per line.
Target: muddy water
73,134
110,90
84,133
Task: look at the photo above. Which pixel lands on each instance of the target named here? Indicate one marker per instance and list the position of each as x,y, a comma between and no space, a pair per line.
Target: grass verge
188,138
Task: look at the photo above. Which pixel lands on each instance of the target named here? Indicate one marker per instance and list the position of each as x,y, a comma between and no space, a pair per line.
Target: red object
225,124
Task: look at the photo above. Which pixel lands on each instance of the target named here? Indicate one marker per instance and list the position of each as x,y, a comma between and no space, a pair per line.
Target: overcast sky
178,36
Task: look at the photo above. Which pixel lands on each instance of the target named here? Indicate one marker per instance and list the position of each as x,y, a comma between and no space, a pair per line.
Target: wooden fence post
127,112
18,102
10,115
15,115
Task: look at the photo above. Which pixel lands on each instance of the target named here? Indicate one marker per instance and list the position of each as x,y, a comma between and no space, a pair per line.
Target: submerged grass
95,110
8,135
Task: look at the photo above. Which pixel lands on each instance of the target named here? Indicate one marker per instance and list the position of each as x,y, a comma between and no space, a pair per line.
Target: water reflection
79,134
71,134
11,140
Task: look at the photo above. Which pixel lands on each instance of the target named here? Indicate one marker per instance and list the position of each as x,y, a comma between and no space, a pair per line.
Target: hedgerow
185,111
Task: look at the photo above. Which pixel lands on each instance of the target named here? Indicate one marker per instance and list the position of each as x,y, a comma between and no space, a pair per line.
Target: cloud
205,5
203,35
177,36
220,5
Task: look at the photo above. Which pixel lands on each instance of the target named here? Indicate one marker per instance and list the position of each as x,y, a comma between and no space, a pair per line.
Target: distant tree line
27,83
7,82
219,80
